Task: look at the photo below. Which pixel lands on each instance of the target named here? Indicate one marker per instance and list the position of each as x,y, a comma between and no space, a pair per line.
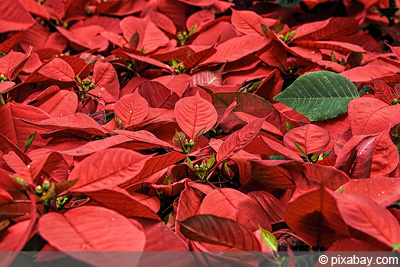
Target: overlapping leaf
219,231
92,229
106,169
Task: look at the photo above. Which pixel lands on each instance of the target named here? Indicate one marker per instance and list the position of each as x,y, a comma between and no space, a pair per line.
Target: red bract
198,125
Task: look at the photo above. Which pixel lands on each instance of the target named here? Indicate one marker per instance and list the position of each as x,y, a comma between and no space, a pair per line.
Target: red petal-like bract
366,115
150,36
106,79
310,138
123,203
284,151
16,130
239,139
235,205
93,229
152,125
365,215
58,69
195,113
77,122
219,231
14,17
316,217
384,191
131,109
106,169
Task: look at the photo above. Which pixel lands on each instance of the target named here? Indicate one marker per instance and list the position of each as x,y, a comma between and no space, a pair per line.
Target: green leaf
276,157
193,29
265,30
300,149
327,153
134,41
29,141
20,181
333,57
167,180
174,63
319,95
314,157
189,162
269,239
179,139
289,126
288,3
395,246
355,58
210,162
341,190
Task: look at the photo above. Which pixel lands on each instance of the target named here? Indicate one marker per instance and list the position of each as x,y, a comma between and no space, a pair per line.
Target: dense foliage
199,125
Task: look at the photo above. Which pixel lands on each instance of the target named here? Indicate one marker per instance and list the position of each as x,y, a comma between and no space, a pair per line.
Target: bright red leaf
106,169
93,229
195,113
131,109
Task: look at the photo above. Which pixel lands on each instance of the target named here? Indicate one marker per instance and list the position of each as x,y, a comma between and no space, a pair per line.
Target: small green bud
39,191
395,101
196,168
46,185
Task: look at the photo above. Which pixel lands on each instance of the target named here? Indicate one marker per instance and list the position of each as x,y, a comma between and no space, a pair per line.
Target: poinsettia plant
198,125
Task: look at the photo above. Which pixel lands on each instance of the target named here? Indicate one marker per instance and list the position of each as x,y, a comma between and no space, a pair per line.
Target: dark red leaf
273,207
219,231
198,57
157,95
384,91
315,216
121,202
270,173
239,139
